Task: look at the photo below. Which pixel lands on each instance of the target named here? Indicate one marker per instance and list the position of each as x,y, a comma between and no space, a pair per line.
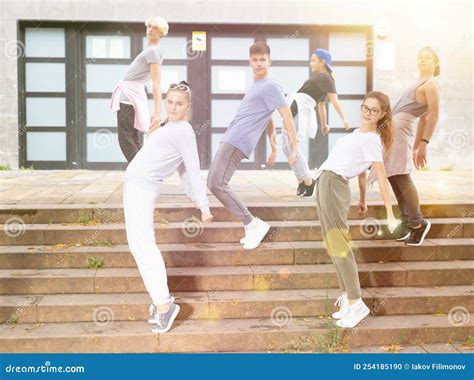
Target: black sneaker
301,189
310,190
418,235
402,232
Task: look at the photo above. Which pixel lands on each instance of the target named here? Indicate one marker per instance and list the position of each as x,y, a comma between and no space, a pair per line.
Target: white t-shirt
353,154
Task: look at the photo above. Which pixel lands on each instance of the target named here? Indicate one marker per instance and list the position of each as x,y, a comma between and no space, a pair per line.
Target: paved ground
85,186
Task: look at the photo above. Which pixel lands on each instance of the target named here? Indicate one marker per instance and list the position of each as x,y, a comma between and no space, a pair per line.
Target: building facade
62,59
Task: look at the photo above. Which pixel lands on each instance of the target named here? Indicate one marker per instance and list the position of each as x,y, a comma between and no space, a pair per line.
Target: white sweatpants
139,209
300,167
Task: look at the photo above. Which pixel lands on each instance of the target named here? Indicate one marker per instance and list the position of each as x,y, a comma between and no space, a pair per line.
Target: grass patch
101,243
468,344
84,219
331,340
95,263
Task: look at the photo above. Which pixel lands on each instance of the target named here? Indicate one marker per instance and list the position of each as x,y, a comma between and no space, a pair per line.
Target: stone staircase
69,284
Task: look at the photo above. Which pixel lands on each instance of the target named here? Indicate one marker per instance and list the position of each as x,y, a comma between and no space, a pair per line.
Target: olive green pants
333,197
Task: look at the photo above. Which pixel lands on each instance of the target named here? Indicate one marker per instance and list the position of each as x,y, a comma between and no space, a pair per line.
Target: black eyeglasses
181,87
373,111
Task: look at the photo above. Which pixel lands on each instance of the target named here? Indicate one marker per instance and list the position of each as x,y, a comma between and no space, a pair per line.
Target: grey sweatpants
223,167
333,197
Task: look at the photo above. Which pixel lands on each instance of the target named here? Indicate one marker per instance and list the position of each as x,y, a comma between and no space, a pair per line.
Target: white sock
356,303
252,224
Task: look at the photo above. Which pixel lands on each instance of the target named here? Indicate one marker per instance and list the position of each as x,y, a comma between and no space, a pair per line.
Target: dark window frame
199,74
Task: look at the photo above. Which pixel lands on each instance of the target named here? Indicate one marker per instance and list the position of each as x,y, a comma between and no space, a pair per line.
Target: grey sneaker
152,312
165,320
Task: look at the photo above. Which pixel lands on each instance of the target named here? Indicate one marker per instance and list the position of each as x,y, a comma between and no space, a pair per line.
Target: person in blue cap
317,90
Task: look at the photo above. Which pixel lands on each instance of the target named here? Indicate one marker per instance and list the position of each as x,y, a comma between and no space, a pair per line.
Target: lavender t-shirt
248,124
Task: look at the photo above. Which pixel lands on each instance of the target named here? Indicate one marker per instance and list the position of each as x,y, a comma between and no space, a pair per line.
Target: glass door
46,121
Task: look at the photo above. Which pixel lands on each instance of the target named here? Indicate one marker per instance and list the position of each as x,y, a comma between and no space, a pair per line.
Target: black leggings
130,139
407,198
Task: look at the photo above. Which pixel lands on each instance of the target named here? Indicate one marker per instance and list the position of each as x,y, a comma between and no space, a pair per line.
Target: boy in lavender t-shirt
252,118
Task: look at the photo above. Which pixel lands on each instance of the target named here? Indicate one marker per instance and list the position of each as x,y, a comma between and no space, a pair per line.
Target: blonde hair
158,22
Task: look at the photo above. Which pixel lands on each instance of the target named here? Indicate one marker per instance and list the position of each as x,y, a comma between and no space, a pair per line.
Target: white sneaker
343,303
255,234
244,239
357,312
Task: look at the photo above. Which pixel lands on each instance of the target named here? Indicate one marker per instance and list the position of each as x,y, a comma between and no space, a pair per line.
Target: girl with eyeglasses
352,155
168,149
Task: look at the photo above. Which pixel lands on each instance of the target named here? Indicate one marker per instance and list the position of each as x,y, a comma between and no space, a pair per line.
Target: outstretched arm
188,149
186,181
289,125
155,72
362,191
271,132
323,118
427,124
384,191
334,100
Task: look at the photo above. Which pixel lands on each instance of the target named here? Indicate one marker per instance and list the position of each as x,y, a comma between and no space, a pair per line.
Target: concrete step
230,304
217,232
231,254
176,212
265,277
233,335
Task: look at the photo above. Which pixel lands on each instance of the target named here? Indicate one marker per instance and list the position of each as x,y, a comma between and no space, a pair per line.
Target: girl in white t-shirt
351,157
170,148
